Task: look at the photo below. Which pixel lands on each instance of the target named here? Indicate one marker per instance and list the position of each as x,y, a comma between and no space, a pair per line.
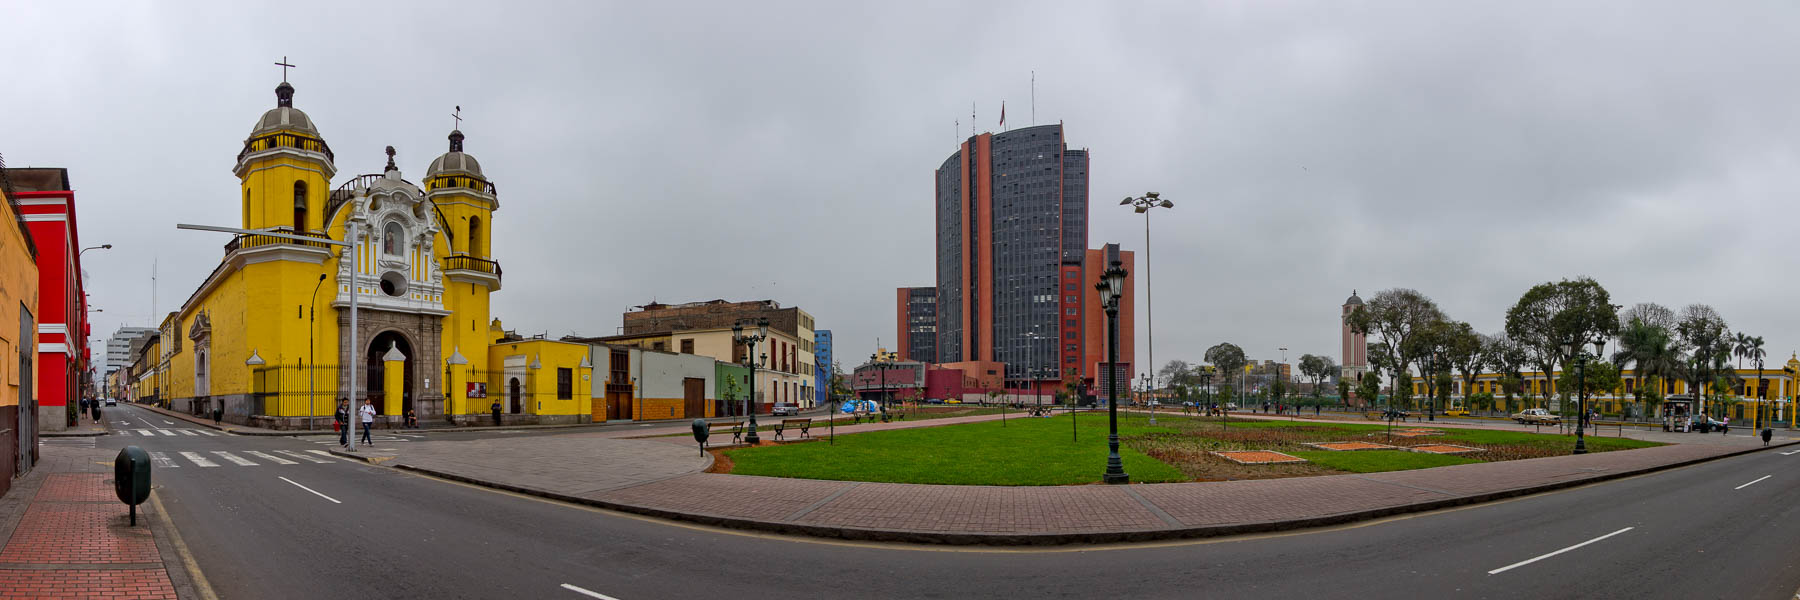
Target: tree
1505,356
1343,390
1227,359
1704,332
1395,317
1317,369
1370,388
1595,378
1551,314
1650,313
1176,373
1651,350
1463,349
1753,350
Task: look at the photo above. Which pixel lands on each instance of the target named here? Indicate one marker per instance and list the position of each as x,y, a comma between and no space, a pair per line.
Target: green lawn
1375,461
1026,451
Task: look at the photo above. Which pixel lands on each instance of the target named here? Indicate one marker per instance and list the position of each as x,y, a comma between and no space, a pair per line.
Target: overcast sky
689,151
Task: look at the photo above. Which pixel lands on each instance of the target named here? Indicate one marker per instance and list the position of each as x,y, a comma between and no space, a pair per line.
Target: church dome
1354,300
454,161
284,115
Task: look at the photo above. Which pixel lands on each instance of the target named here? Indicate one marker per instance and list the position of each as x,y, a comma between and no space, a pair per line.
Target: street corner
368,455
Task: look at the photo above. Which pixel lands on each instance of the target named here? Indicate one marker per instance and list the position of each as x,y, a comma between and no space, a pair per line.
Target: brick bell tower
1356,346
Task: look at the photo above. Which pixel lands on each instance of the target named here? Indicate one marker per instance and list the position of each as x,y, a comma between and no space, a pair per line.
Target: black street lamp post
1111,286
1581,358
749,343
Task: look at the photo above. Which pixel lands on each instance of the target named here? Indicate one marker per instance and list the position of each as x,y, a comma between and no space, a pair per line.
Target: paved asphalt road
1696,532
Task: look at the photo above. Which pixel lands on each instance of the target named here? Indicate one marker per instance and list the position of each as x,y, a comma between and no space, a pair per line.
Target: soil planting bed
1351,446
1444,449
1258,457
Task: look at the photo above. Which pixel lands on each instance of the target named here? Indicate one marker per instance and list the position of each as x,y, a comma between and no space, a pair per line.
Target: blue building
822,356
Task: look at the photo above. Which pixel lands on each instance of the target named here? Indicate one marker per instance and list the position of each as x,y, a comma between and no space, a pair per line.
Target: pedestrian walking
1726,427
342,421
368,420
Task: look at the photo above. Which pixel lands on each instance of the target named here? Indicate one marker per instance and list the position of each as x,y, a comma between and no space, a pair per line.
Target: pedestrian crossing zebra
174,432
218,458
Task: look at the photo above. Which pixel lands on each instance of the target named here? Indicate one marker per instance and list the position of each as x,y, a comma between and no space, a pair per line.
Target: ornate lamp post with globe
1111,286
1581,358
749,343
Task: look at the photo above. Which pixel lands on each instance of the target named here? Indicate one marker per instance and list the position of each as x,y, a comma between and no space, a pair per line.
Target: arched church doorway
512,393
377,370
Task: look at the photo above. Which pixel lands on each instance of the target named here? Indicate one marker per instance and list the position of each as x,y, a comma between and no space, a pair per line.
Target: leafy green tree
1463,349
1706,335
1228,360
1551,314
1370,388
1506,357
1393,319
1343,390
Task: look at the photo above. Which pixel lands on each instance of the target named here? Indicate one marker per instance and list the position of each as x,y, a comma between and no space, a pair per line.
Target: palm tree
1740,341
1651,349
1753,350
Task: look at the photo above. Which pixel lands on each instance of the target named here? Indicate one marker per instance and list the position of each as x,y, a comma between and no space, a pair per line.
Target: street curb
1048,539
373,460
61,434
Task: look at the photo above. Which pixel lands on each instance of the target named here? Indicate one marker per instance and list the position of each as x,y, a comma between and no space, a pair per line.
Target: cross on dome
284,67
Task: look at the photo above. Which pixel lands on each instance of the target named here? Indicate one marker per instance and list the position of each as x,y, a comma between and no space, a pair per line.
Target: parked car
953,401
934,400
1538,416
785,409
112,401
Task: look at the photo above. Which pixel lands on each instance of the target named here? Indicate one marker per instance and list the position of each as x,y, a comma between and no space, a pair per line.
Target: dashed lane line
1544,556
587,592
1752,483
315,492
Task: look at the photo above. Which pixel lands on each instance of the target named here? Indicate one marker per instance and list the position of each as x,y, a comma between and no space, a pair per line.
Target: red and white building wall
48,208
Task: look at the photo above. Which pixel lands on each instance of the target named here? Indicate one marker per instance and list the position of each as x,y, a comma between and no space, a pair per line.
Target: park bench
804,425
1041,411
736,427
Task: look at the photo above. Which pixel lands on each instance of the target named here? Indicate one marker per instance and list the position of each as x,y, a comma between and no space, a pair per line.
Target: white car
785,409
112,401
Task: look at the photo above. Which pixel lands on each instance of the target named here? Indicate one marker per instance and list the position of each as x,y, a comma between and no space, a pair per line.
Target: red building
48,208
1093,323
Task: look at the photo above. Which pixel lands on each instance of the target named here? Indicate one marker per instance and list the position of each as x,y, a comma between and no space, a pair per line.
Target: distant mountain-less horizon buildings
1015,276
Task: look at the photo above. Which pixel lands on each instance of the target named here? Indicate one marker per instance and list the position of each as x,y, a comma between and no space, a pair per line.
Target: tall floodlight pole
346,252
1111,286
1143,204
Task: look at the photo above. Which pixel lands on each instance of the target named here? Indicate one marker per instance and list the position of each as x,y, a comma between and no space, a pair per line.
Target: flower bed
1258,457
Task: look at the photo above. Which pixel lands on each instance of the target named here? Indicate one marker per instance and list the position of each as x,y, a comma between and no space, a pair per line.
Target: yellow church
266,337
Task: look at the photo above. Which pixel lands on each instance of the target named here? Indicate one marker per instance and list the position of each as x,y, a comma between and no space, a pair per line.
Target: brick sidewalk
67,536
1024,515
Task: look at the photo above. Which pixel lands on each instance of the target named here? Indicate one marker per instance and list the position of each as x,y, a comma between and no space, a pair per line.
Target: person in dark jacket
1767,435
343,422
496,412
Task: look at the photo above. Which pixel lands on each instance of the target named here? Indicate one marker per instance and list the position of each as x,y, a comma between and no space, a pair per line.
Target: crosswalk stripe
302,456
270,457
205,432
145,433
320,453
198,459
238,460
162,461
167,431
188,432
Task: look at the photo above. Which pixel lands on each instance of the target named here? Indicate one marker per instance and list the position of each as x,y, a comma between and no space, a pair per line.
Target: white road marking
145,432
315,492
302,456
198,459
239,460
1542,557
168,422
205,432
1752,483
166,431
1790,453
587,592
187,432
270,457
162,461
